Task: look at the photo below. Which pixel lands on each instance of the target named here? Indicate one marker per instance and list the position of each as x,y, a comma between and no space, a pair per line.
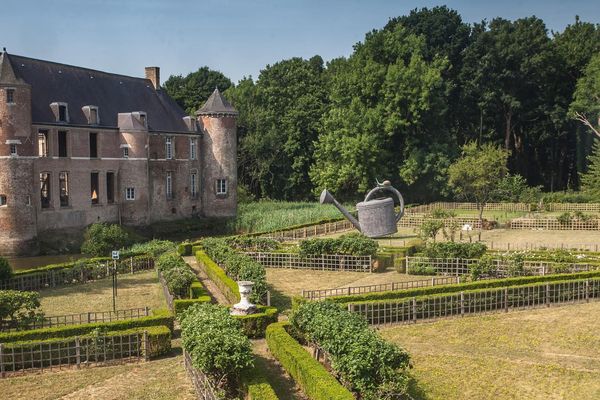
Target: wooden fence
426,208
416,220
554,224
310,231
326,262
482,301
584,207
507,246
74,352
168,296
76,274
462,266
77,319
319,294
205,388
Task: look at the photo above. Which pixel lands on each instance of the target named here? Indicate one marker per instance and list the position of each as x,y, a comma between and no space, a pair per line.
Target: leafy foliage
352,244
178,275
18,307
191,91
216,343
5,270
100,239
454,250
367,363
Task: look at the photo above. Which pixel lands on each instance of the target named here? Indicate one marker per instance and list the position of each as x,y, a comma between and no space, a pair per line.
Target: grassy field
286,283
137,290
539,354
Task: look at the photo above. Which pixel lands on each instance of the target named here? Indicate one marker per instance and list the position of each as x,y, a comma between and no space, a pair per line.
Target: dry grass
137,290
286,283
540,237
160,379
539,354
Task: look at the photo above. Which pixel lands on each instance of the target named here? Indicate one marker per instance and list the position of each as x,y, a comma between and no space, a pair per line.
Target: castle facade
79,146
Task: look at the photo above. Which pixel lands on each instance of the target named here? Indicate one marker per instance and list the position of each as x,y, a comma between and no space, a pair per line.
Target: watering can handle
394,191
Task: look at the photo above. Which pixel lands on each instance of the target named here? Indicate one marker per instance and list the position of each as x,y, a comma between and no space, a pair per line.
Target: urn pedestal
244,307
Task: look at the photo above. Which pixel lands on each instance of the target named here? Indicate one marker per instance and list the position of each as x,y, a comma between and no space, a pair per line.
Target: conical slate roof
7,74
217,104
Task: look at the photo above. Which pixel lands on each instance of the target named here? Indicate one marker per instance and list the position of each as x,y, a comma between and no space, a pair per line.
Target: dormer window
62,113
92,115
10,96
143,119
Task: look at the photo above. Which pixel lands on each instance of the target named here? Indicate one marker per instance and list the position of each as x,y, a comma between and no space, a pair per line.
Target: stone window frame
221,189
10,95
194,184
169,185
193,148
60,194
12,145
125,148
46,134
49,190
130,193
169,148
3,200
88,112
55,107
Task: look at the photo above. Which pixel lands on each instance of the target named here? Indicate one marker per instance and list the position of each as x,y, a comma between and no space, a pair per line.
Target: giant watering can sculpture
376,216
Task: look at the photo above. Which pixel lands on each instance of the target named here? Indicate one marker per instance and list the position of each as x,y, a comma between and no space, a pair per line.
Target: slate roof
216,104
112,93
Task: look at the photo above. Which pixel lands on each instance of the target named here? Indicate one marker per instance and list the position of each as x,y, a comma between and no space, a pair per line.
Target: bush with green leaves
430,228
369,365
253,243
154,248
5,270
565,218
179,280
19,308
354,244
216,343
483,268
100,239
454,250
168,260
421,268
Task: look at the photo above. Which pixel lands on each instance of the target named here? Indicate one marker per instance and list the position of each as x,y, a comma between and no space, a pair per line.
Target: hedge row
307,372
256,386
483,284
228,286
198,294
160,317
177,274
255,325
354,244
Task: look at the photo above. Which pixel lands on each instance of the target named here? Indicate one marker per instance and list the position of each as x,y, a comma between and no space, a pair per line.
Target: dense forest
407,99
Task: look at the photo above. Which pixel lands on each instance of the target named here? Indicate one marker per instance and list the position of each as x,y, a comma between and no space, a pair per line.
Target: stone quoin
79,146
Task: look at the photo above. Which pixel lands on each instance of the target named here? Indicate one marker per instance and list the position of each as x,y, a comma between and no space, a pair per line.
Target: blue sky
236,37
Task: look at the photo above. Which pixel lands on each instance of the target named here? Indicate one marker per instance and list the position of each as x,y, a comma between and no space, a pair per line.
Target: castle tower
18,150
217,118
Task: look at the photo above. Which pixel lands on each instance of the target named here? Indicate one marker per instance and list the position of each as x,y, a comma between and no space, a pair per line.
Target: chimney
153,73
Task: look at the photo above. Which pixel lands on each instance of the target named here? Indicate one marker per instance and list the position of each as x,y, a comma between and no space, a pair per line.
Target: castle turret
219,156
17,152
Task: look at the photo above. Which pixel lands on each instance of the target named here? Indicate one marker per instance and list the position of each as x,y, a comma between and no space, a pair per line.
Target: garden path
214,291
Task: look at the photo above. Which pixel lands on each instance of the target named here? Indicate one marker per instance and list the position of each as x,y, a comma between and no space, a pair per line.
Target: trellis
325,262
554,224
205,388
77,319
416,220
76,275
543,246
86,351
310,231
512,207
481,301
319,294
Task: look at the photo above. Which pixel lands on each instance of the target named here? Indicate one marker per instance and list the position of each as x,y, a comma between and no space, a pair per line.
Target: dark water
18,263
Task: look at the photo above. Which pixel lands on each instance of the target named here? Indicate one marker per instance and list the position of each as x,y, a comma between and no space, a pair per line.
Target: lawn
133,291
162,379
540,354
286,283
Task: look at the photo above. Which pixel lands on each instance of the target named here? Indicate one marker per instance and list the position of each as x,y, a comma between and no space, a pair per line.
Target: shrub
256,385
564,218
255,325
430,228
371,366
483,268
351,244
216,274
168,261
179,279
100,239
19,308
307,372
455,250
421,268
251,243
184,249
5,270
215,342
153,248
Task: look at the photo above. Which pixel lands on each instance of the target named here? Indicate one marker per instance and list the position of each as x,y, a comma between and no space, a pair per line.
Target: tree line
405,102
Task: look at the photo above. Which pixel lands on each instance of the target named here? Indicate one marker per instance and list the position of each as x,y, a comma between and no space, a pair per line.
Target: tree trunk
480,209
508,117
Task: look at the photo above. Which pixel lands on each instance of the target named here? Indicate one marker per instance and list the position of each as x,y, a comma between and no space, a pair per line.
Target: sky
236,37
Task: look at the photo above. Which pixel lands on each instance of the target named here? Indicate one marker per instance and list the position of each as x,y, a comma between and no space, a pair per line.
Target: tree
590,181
100,239
191,91
586,104
477,173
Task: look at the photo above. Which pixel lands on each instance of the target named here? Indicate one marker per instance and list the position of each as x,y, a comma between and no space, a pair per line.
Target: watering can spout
327,198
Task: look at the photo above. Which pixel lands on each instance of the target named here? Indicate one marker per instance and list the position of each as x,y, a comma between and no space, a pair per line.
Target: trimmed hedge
228,286
307,372
483,284
256,386
184,249
354,244
159,317
255,325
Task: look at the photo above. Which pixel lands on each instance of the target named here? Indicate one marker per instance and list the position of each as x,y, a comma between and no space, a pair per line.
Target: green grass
539,354
271,215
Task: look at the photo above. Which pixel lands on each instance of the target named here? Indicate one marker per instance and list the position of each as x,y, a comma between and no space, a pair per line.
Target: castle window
63,185
93,115
13,150
130,193
221,186
2,200
193,145
194,184
110,187
62,143
93,145
43,143
125,152
10,96
169,185
169,148
62,113
95,187
143,119
45,189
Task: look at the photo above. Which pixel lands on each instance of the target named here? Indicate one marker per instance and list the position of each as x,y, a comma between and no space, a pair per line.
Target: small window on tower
2,200
130,193
221,186
125,152
10,96
13,150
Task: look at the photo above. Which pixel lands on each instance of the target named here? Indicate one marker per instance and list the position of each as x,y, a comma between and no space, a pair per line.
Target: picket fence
326,262
483,301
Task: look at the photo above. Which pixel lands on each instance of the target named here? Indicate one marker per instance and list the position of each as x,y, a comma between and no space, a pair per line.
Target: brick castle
79,146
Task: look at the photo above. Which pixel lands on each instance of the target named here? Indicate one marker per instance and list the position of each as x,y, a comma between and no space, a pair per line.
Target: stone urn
244,307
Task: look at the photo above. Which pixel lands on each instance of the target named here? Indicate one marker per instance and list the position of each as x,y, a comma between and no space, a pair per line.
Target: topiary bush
5,270
100,239
369,365
454,250
216,344
354,244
